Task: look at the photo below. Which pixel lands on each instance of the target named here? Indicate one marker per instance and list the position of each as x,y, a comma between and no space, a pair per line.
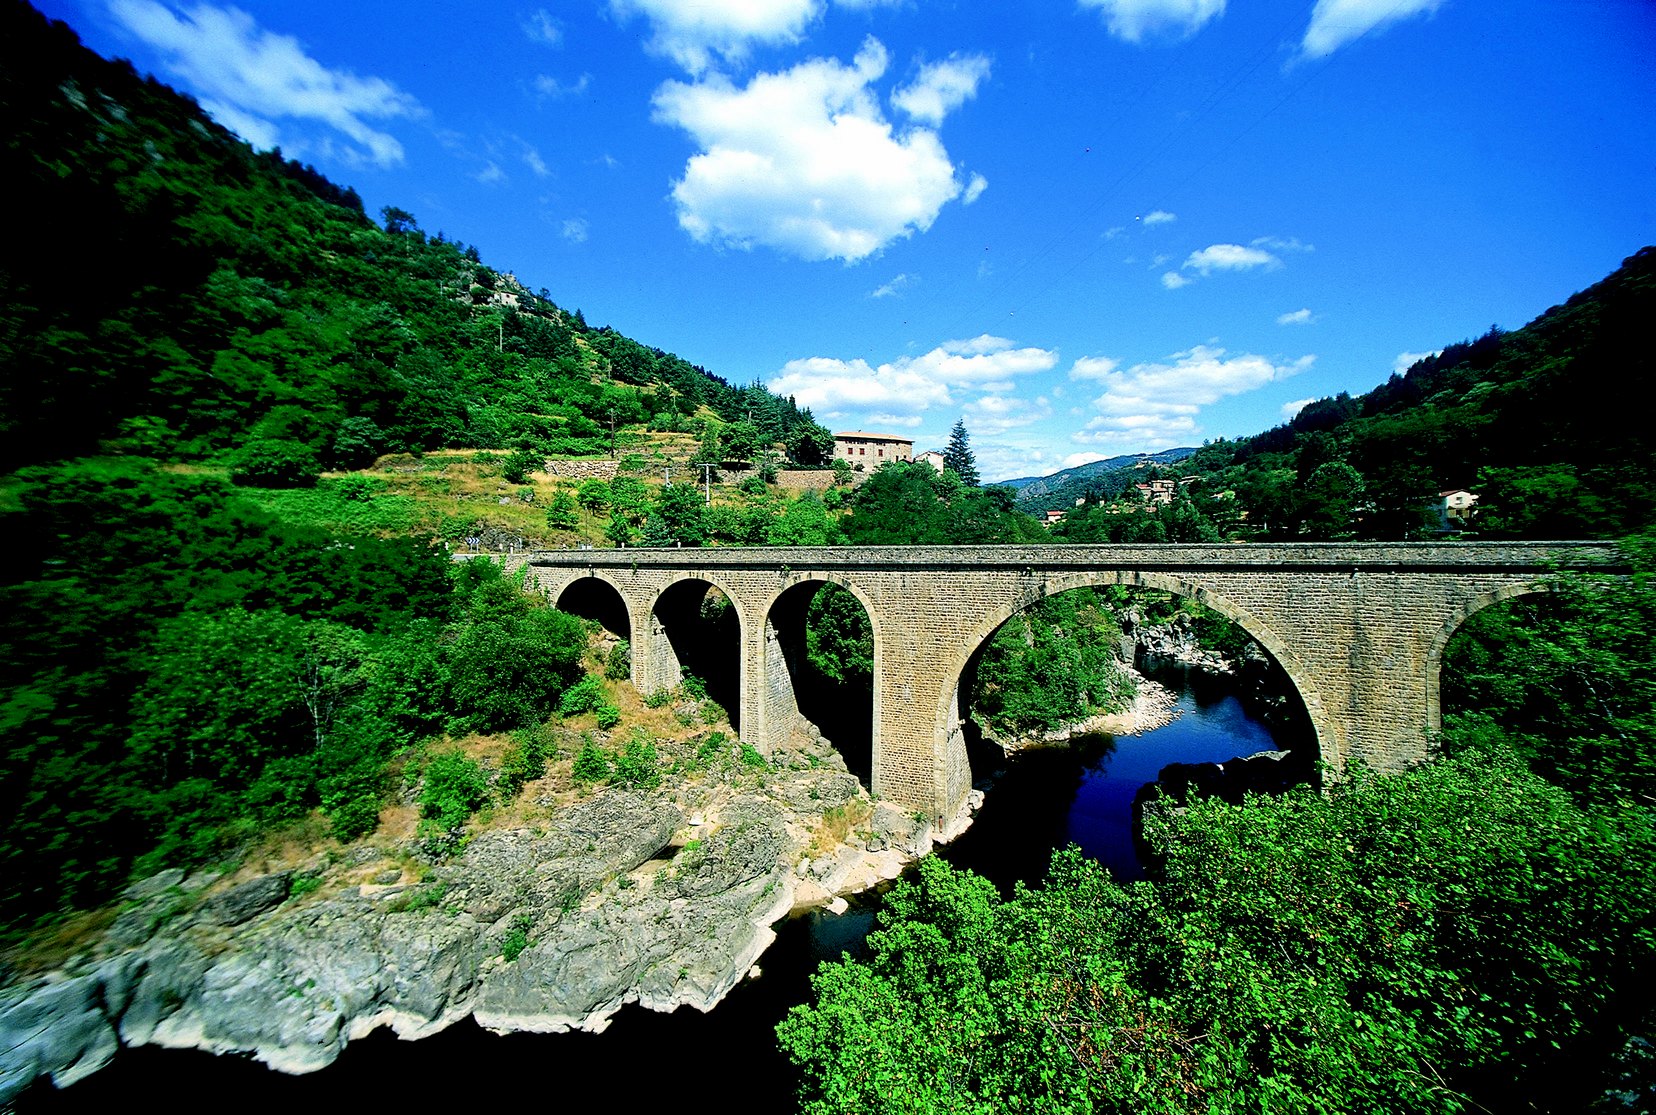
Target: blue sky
1088,227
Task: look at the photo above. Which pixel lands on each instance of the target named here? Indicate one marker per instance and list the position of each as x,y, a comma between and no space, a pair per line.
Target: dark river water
1043,800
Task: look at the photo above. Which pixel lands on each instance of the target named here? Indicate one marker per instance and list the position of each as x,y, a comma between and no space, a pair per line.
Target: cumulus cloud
1229,257
942,87
1086,457
1293,408
1094,367
248,78
1172,280
1334,23
1157,404
994,415
1407,360
804,162
974,189
1135,20
693,33
909,386
1158,217
1296,317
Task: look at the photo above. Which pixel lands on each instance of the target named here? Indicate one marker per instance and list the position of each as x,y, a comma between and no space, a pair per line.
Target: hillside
1064,487
1527,419
173,294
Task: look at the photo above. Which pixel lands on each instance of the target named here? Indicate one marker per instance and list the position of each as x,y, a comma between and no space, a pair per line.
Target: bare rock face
527,931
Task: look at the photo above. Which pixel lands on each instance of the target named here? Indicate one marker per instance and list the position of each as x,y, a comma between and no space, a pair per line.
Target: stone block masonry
1359,628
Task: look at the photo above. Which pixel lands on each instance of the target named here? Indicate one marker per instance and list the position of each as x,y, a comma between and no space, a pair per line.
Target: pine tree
957,456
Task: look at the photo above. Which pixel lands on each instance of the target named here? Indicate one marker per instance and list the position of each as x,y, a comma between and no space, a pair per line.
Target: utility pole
707,481
612,432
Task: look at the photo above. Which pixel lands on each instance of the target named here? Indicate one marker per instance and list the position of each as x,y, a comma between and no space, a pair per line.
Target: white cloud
1293,408
1172,280
896,286
1407,360
575,230
1155,405
1094,367
1334,23
993,415
491,174
1085,457
532,159
1158,217
974,189
540,27
1296,317
1282,244
1229,257
548,86
1133,20
249,78
909,386
804,162
942,87
692,33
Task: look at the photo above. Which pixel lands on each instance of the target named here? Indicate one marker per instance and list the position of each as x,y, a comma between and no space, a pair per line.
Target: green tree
560,514
839,640
957,455
593,494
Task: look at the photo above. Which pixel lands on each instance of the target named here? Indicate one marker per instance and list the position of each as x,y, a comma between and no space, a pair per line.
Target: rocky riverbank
663,899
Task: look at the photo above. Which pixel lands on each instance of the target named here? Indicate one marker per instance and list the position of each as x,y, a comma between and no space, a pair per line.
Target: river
1043,800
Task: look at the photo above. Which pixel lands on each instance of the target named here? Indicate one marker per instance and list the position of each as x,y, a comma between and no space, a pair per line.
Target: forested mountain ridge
1527,419
171,293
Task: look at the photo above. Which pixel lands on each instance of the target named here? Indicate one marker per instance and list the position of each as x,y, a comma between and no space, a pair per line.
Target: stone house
871,450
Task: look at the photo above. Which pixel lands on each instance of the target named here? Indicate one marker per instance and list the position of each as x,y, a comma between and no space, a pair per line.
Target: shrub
618,664
608,715
525,762
751,757
584,696
658,698
455,788
591,765
694,687
638,767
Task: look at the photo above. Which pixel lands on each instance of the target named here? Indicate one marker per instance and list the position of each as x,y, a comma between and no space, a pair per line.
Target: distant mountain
1036,493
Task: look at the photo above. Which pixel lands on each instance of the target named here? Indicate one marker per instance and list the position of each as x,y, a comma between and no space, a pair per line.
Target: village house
871,450
933,458
1455,508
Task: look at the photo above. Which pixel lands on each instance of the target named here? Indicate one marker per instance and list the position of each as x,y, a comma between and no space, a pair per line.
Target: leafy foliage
1051,665
1422,942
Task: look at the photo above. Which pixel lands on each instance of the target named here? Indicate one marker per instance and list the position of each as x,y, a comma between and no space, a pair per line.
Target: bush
694,687
751,757
455,788
618,664
638,767
584,696
275,463
525,762
608,715
591,765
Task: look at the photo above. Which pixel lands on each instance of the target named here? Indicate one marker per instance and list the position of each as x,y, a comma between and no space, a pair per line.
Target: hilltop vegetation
1527,419
174,294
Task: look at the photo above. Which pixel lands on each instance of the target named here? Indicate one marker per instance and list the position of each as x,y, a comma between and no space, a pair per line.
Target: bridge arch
782,614
596,596
950,730
1440,642
684,640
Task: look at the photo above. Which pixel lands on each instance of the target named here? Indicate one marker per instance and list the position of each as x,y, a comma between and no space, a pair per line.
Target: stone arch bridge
1359,628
